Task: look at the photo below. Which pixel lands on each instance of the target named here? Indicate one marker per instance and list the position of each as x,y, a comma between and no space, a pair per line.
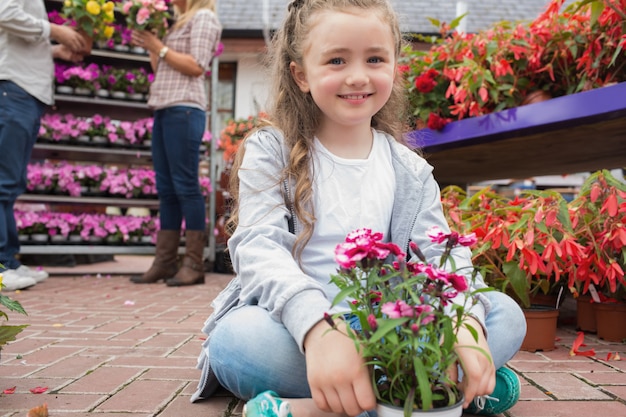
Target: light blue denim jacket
260,248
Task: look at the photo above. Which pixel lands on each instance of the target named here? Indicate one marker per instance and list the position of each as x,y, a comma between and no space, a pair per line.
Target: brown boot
165,263
192,270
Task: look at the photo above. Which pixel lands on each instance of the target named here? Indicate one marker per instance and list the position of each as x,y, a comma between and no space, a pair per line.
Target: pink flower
142,16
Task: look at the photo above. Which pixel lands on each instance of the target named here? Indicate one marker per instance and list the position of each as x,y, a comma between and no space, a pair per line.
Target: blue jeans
250,352
176,138
20,118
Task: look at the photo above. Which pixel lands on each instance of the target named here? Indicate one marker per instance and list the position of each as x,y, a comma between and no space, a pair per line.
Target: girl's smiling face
349,65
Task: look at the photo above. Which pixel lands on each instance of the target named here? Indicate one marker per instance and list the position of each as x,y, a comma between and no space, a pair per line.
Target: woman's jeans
20,118
176,138
251,353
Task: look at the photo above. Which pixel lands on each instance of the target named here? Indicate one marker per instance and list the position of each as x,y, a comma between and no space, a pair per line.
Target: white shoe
36,274
12,280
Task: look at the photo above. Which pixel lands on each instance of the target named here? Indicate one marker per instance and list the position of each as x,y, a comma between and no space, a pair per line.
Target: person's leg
170,214
182,137
251,353
20,116
506,327
256,359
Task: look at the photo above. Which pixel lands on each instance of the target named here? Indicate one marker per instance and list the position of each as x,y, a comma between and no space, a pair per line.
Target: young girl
178,97
331,162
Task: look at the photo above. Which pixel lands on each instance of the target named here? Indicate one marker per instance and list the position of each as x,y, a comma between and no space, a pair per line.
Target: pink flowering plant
408,319
149,15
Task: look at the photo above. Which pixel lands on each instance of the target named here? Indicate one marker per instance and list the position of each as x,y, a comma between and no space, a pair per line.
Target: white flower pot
385,410
58,239
103,93
138,50
82,91
121,48
23,238
39,237
99,139
119,95
64,89
136,96
75,239
83,139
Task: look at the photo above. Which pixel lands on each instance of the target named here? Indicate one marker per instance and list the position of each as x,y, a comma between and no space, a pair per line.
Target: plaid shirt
199,38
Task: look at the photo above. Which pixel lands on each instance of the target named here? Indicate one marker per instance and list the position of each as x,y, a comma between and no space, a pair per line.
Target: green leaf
12,305
519,282
386,327
8,333
422,384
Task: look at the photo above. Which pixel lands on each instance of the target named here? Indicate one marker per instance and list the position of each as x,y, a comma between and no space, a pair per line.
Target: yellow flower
0,281
93,7
108,7
108,31
67,3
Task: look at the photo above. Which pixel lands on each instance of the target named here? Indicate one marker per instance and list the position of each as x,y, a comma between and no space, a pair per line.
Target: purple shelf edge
599,104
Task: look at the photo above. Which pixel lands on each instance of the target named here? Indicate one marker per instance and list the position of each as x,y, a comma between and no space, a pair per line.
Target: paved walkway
102,346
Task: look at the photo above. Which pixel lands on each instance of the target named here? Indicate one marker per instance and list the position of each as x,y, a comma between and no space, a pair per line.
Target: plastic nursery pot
585,314
611,321
386,410
541,322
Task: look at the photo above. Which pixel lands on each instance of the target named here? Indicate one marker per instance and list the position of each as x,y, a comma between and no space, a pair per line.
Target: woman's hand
67,36
479,372
337,375
147,40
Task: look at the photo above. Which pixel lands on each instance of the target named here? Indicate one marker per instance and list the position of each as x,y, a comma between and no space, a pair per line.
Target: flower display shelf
570,134
87,153
84,106
102,201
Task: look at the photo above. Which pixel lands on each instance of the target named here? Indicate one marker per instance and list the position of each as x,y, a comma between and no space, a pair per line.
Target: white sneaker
36,274
12,280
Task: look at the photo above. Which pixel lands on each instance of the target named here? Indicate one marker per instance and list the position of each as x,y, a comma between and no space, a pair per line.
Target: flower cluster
234,131
76,180
560,52
77,76
149,15
407,317
87,226
538,241
94,17
104,79
57,127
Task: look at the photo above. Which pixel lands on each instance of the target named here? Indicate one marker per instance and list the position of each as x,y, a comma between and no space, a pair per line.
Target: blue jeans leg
506,327
251,353
20,117
176,138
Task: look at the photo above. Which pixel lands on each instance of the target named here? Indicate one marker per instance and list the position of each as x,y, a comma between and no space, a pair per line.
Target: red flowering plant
526,244
563,51
409,313
599,220
234,131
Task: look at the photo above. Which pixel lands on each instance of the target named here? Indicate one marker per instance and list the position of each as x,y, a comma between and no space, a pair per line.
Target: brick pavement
103,346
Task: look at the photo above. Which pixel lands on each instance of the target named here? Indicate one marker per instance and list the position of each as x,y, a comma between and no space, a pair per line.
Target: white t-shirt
348,194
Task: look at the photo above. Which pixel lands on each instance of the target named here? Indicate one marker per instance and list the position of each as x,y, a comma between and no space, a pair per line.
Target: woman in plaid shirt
178,96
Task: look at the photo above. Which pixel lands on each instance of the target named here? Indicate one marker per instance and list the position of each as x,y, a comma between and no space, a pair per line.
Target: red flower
424,84
436,122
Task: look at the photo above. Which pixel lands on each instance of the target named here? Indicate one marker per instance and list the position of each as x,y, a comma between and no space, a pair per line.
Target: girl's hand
479,372
337,375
